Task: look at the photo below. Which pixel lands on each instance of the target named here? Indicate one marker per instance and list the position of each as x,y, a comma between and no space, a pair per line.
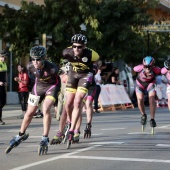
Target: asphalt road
117,143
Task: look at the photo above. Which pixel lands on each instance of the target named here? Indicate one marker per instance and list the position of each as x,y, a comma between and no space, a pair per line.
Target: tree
114,28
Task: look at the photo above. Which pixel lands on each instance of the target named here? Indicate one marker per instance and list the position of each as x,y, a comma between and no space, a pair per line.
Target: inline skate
70,139
57,139
152,124
66,132
43,148
16,141
143,122
87,131
76,137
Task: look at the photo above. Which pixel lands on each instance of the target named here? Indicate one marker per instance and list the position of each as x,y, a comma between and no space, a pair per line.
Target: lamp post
148,45
11,64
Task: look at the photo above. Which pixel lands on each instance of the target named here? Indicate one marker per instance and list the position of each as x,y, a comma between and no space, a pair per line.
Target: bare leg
47,104
140,99
152,104
28,117
77,109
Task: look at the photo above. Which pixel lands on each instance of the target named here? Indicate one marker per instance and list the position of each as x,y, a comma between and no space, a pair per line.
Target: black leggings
96,97
23,98
2,99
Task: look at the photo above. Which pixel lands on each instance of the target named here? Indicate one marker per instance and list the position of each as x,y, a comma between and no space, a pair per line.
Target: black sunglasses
147,67
33,59
79,46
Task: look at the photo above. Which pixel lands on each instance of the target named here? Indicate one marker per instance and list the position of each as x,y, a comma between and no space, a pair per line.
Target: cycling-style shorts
78,82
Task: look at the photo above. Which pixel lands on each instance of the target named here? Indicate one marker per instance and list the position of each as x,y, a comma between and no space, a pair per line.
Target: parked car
125,76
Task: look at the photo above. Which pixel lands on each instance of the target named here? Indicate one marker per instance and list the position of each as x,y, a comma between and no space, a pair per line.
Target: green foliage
114,28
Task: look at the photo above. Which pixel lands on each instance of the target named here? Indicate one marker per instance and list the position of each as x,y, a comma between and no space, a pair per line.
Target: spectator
98,90
106,70
3,83
23,80
114,76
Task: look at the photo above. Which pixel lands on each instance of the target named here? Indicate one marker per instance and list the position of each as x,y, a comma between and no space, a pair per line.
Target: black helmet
79,38
38,52
167,64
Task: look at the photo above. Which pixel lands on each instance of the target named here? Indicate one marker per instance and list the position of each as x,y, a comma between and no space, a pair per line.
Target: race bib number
33,100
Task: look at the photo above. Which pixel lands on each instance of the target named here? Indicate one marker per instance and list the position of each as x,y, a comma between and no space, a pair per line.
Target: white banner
113,94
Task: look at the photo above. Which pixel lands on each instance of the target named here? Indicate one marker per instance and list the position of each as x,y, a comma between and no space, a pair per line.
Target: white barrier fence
114,96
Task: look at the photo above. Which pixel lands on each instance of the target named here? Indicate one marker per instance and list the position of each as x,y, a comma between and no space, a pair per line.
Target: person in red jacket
23,90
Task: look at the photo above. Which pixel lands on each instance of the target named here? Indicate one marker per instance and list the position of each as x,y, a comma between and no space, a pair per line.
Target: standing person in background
114,77
3,83
145,81
23,90
98,80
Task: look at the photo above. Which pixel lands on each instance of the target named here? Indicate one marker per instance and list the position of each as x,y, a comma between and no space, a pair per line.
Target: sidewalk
11,111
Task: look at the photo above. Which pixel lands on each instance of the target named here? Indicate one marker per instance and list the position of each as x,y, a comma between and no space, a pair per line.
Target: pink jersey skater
166,73
145,81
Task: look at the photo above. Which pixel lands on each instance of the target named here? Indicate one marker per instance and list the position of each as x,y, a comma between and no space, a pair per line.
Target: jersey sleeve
157,70
138,68
95,56
164,70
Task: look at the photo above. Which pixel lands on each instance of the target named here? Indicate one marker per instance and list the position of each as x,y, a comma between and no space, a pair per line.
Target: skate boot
87,131
152,124
43,148
57,139
143,121
16,141
76,137
70,139
67,128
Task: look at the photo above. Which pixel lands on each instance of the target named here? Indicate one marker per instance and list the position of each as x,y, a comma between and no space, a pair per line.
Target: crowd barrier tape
112,95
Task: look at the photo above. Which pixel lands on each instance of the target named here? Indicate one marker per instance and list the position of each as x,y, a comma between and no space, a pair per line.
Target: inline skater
166,72
80,76
145,82
46,88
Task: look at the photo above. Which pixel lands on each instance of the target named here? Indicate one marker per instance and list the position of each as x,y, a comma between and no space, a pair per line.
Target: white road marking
17,130
112,129
119,159
163,145
164,127
106,143
35,136
96,134
54,158
139,133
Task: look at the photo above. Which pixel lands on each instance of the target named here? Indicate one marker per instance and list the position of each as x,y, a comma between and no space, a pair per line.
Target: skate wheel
8,149
90,135
68,144
40,150
85,134
152,131
51,142
65,138
45,150
143,128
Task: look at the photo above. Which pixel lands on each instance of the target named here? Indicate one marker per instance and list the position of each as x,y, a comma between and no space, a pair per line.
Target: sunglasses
33,59
79,46
147,67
